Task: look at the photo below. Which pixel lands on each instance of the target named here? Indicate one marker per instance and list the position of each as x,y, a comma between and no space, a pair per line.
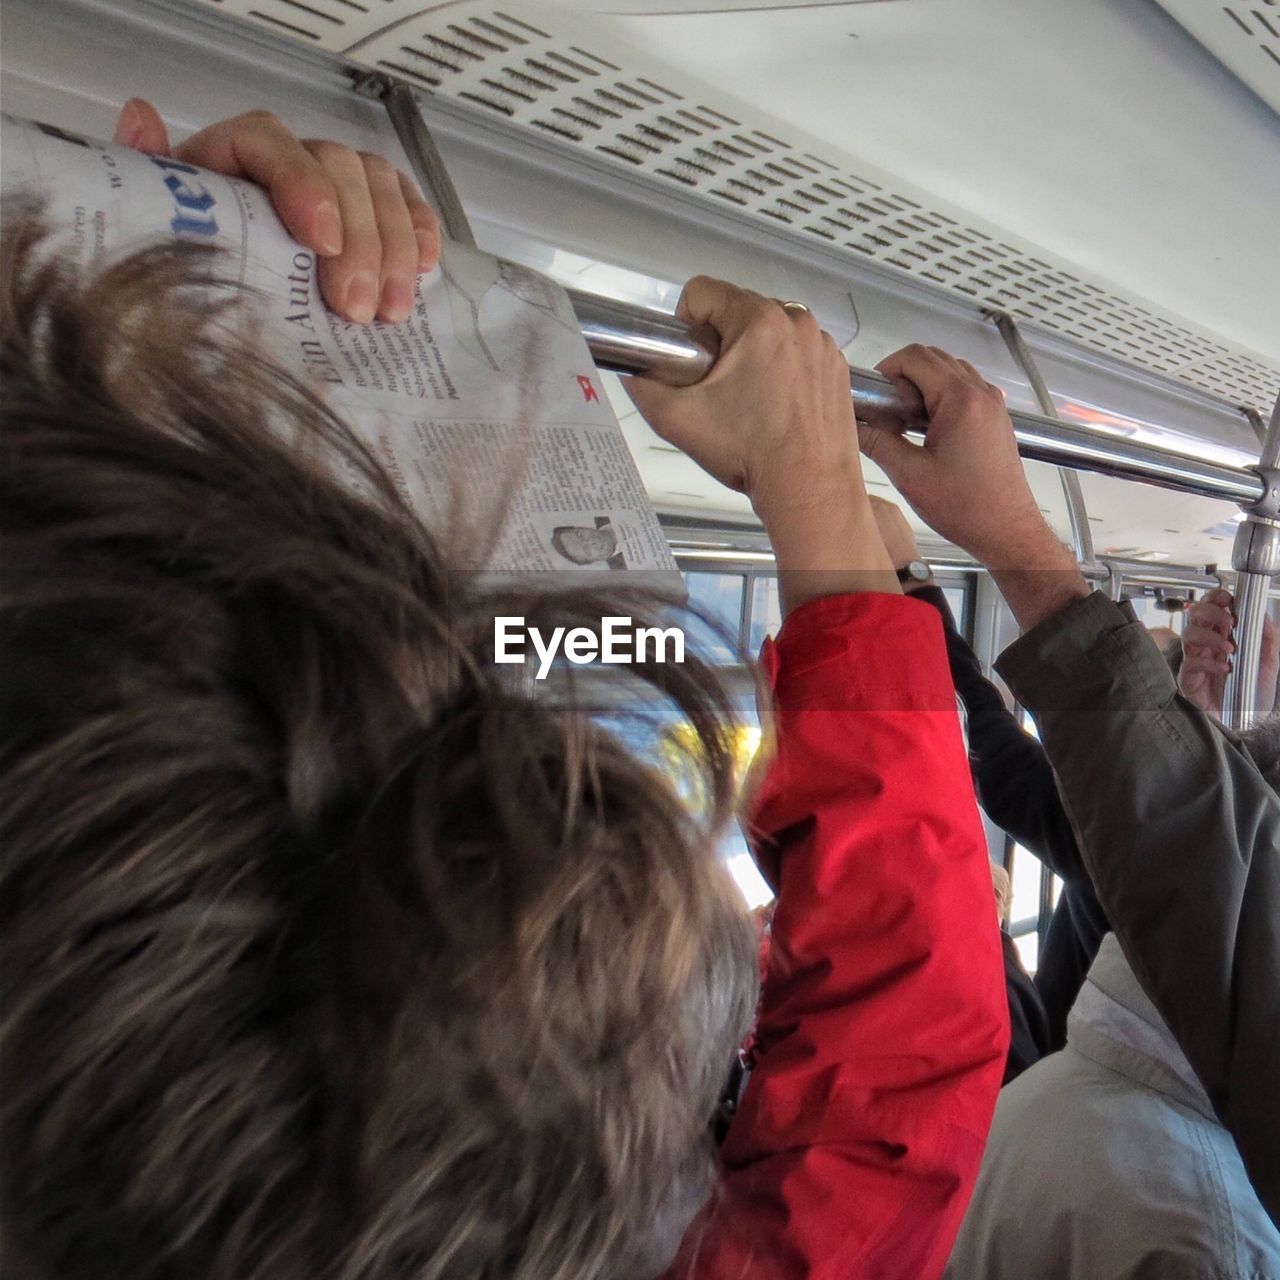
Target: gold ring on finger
798,307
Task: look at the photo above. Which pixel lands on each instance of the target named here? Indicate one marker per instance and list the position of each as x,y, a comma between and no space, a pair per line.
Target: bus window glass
957,598
753,886
719,596
766,612
1026,873
1151,615
651,729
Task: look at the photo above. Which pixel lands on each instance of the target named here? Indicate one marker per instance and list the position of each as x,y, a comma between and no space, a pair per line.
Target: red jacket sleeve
883,1023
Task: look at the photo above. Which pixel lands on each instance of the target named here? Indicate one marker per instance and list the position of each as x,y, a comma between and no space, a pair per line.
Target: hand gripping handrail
633,340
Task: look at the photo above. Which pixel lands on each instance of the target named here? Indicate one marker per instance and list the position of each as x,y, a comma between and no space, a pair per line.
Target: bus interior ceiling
1101,172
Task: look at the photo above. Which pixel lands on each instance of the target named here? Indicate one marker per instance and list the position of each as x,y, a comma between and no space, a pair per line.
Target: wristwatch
916,571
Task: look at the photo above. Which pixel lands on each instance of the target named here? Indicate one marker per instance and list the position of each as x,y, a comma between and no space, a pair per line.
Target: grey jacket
1106,1161
1180,833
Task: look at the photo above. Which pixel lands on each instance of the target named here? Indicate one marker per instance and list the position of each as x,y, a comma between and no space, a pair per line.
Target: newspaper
488,378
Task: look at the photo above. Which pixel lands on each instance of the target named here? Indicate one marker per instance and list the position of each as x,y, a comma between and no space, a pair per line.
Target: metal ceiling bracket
421,150
1268,506
1255,421
1077,512
369,84
1257,548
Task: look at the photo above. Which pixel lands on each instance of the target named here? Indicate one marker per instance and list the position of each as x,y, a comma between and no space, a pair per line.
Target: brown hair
326,952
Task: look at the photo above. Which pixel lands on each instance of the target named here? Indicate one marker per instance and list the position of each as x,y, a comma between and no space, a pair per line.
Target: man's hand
967,482
774,419
1208,646
370,228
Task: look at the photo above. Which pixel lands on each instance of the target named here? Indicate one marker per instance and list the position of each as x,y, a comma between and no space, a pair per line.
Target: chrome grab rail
632,340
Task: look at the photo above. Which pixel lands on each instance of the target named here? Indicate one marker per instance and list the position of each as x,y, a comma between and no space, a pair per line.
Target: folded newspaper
489,378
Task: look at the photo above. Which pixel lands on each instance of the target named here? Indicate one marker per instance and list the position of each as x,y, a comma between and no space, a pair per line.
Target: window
766,611
958,601
1151,615
744,599
720,596
739,602
1034,888
1035,891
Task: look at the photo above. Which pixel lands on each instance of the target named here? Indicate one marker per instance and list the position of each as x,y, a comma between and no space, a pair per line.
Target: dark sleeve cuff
1092,642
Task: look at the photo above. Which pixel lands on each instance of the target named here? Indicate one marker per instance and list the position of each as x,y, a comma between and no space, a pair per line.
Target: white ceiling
1098,129
1244,35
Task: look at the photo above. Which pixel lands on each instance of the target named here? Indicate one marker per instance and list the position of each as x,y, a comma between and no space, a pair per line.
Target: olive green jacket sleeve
1181,835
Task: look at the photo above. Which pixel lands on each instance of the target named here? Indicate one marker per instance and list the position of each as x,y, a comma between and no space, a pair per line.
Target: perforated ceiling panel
1244,36
626,109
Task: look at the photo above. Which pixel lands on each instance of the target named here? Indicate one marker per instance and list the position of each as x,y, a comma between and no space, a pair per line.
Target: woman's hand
774,419
371,230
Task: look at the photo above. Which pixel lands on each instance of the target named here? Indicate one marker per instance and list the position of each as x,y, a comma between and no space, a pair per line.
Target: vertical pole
1045,909
426,161
1254,419
1077,513
1240,704
1256,558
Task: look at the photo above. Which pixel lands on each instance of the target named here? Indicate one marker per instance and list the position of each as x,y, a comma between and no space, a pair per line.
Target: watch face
918,570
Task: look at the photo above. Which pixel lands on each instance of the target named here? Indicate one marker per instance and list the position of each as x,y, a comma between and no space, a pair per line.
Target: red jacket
883,1023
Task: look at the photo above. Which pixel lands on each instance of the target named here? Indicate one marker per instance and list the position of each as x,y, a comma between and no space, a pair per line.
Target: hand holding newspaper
486,393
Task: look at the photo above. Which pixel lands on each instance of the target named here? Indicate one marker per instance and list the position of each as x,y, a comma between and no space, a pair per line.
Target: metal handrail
633,340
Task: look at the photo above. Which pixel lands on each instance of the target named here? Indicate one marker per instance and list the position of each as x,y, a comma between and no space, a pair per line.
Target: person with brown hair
330,953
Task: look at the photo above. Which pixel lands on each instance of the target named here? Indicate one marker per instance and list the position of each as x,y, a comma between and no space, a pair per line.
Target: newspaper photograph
487,379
